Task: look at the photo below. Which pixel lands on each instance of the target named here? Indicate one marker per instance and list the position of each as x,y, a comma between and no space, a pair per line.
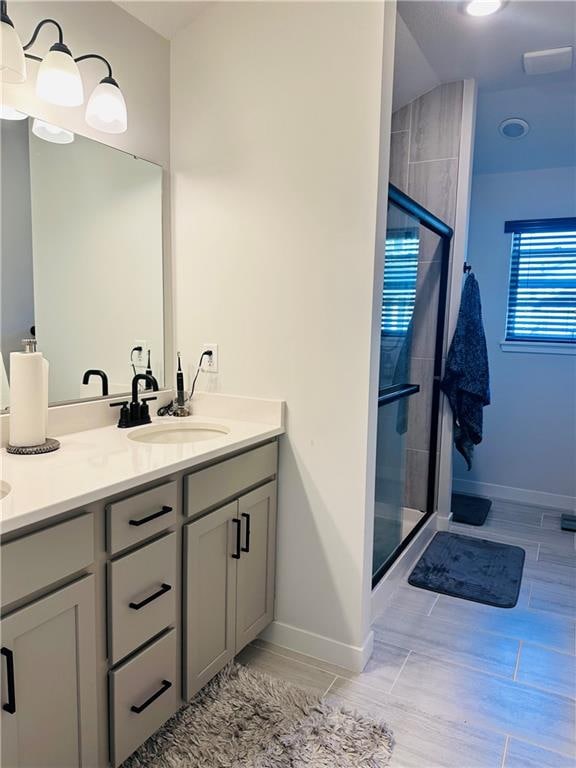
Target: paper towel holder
50,444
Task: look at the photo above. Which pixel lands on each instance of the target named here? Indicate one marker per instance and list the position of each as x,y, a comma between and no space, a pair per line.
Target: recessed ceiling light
514,128
483,7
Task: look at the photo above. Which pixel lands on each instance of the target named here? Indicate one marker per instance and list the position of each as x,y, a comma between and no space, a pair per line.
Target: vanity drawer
141,596
209,487
143,695
40,559
139,517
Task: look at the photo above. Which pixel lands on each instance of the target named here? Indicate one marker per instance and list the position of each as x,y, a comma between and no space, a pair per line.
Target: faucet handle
147,399
124,420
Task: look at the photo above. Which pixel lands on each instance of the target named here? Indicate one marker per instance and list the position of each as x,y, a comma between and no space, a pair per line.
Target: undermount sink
4,489
174,434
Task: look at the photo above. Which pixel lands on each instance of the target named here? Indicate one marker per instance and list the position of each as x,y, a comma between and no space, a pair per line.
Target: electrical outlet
210,364
140,356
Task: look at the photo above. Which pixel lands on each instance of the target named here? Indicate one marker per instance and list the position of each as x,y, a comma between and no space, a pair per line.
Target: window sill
538,347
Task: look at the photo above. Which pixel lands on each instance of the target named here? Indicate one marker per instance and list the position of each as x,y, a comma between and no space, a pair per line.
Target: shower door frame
445,233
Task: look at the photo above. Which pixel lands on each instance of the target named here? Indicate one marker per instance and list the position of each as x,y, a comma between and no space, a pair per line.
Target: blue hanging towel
466,380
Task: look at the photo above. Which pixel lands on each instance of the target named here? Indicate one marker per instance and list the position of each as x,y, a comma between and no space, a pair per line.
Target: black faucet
94,372
136,413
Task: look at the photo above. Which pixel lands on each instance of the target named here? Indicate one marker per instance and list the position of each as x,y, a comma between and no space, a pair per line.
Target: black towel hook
467,268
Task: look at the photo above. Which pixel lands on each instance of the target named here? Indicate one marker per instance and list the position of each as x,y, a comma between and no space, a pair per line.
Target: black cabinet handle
166,685
246,547
238,523
10,705
149,518
162,591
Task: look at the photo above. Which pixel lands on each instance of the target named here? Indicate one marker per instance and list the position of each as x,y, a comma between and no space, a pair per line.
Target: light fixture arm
96,56
36,32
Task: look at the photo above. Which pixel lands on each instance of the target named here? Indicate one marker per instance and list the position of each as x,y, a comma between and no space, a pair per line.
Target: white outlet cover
210,364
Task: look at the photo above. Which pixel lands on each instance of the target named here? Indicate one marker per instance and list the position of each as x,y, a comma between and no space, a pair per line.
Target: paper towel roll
28,398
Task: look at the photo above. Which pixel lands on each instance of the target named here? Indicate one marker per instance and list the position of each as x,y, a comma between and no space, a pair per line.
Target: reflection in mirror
81,265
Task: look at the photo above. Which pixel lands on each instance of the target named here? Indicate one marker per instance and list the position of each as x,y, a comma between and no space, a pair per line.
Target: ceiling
164,16
489,49
455,46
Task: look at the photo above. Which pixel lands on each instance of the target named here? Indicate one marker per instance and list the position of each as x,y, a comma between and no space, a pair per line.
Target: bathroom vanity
146,570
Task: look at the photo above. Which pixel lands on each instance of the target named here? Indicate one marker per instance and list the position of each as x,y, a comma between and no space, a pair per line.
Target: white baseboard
326,649
402,567
520,495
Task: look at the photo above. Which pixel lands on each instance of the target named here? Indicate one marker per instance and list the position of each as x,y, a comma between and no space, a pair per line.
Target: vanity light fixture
12,61
59,81
9,113
483,7
52,133
106,109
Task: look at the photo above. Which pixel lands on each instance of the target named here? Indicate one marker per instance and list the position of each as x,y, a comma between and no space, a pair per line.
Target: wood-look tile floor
464,685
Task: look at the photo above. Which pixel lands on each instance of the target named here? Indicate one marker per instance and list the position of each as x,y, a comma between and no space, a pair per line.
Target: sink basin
175,434
4,489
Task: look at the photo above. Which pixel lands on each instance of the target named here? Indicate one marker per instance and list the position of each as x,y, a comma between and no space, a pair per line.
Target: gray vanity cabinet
256,567
229,577
210,608
114,615
49,681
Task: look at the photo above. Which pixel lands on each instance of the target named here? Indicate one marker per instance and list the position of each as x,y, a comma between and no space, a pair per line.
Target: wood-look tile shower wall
424,153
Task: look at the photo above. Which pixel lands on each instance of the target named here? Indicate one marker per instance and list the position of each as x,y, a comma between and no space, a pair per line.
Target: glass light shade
483,7
59,81
106,109
9,113
52,133
12,61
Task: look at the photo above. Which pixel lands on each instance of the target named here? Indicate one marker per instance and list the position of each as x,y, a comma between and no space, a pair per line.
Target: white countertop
96,463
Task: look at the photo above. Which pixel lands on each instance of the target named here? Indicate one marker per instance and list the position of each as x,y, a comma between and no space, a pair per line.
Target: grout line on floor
505,753
520,646
529,597
327,691
400,671
567,619
434,604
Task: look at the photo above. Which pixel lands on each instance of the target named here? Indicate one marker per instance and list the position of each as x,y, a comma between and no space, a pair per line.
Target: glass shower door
395,389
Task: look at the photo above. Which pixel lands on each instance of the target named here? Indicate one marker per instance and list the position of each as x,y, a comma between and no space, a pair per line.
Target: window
542,290
400,273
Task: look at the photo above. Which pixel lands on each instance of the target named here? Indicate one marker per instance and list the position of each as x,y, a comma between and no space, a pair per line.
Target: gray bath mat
471,510
245,718
470,568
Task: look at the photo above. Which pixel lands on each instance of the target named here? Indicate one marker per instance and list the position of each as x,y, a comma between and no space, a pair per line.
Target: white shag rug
250,720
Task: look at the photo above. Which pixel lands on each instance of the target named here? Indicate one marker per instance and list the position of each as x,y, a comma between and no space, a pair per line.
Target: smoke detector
514,128
546,62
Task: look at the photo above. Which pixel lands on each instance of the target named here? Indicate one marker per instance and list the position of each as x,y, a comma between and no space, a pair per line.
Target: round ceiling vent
514,128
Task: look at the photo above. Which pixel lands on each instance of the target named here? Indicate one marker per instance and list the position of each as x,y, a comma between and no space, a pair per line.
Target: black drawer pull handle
162,591
246,547
10,705
238,523
166,685
163,511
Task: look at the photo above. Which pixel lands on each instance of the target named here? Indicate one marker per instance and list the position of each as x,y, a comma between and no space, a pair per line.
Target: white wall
529,447
140,60
275,117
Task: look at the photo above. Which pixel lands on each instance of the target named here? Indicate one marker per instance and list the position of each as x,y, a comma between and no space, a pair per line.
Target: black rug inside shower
473,569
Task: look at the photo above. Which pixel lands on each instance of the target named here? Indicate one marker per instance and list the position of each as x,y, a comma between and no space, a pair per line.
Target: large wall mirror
81,261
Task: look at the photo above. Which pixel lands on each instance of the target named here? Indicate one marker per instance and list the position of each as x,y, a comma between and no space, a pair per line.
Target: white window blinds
542,289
